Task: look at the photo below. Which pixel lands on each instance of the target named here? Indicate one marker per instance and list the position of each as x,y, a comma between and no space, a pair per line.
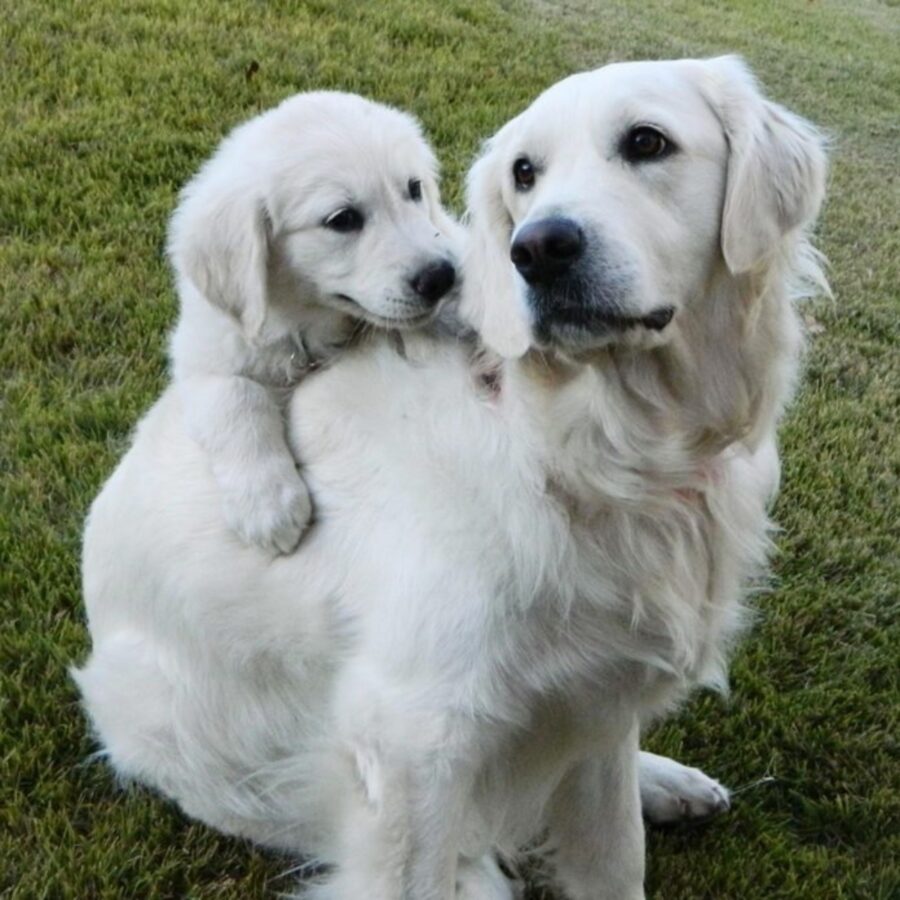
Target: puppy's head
602,212
328,201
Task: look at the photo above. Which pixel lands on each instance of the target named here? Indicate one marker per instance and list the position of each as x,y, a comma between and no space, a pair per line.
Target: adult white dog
514,566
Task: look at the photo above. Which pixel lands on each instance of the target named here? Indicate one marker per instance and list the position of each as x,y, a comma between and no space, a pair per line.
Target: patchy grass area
107,107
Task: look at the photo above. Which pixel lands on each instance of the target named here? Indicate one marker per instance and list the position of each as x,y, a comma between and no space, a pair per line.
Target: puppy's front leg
595,824
239,425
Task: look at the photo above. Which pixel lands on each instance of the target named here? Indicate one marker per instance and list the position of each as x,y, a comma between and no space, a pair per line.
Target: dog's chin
412,316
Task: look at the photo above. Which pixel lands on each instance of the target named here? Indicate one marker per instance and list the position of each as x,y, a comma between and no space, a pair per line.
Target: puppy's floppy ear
776,168
444,223
219,242
491,300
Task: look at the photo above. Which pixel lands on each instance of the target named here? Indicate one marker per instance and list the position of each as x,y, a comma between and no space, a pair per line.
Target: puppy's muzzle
434,281
547,249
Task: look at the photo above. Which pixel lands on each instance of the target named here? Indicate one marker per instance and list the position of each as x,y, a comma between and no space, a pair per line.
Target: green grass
107,107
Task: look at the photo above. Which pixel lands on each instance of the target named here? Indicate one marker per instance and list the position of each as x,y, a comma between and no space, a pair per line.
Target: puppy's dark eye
344,220
523,173
415,189
645,143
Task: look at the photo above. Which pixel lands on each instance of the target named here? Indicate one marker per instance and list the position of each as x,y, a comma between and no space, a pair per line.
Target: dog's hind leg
129,701
130,694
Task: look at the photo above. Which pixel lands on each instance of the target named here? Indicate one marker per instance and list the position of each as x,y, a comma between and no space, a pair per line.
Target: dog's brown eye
415,189
344,220
644,143
523,173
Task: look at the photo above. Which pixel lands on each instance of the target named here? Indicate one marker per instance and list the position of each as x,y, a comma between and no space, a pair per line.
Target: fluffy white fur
269,290
504,583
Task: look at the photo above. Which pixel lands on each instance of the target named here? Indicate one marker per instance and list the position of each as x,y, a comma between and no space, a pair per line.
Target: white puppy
310,219
514,567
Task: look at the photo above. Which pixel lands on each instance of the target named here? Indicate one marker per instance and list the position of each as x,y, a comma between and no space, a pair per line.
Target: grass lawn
108,106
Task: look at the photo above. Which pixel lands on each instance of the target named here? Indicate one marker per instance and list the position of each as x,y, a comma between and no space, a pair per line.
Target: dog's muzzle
573,290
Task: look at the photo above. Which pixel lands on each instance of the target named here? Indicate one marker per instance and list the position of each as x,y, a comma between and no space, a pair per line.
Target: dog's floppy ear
776,168
445,224
219,242
491,301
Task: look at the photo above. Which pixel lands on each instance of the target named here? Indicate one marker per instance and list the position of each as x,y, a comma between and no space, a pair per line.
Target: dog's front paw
671,792
269,511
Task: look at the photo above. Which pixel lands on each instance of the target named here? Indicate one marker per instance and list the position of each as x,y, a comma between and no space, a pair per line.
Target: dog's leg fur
237,422
401,841
481,879
596,834
373,839
400,837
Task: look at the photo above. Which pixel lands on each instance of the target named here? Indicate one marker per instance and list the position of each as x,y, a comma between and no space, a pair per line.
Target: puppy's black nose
547,248
432,282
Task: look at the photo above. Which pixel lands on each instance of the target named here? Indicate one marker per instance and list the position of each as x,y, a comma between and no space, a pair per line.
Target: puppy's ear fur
219,243
776,169
491,301
443,222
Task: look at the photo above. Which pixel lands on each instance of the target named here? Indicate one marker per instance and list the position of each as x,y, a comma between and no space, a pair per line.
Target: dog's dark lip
654,321
590,319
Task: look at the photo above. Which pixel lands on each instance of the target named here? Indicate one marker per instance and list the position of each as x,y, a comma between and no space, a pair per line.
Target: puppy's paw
671,792
269,510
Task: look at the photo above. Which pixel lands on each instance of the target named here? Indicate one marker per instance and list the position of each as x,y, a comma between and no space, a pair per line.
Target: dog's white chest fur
529,596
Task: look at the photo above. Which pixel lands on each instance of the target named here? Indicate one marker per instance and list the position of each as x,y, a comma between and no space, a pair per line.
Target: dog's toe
672,793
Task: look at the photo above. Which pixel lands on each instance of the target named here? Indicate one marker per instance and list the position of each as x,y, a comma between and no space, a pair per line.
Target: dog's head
601,212
327,201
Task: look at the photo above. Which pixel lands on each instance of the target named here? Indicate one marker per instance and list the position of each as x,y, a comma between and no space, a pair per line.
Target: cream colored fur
510,574
269,292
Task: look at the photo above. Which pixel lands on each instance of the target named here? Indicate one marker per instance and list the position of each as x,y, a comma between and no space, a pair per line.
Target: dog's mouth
653,321
415,318
591,322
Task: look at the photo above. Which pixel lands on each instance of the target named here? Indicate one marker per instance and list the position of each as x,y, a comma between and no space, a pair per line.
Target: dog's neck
658,419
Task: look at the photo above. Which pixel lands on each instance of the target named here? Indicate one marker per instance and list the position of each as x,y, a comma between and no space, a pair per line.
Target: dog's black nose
432,282
545,249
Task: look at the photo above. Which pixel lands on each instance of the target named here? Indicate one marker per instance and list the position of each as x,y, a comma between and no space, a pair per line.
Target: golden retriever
519,559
